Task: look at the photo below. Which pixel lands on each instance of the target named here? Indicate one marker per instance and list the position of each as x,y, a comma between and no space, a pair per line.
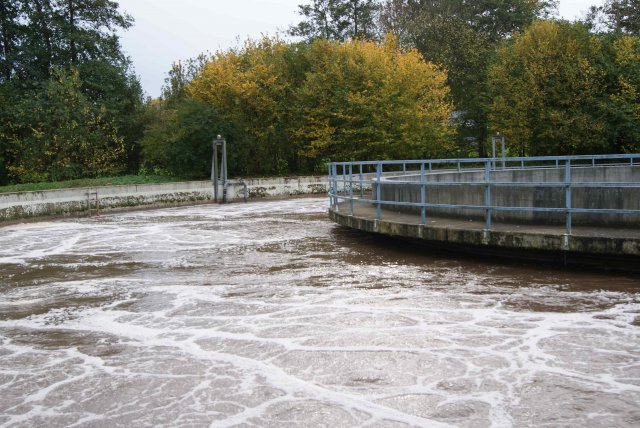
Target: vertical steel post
502,141
361,183
344,180
335,188
329,177
224,171
487,194
214,170
567,180
351,189
378,191
423,195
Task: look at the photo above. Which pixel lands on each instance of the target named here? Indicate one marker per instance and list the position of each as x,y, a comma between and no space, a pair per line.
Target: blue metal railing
362,182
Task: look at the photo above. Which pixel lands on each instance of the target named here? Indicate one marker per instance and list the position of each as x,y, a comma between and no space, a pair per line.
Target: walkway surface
367,210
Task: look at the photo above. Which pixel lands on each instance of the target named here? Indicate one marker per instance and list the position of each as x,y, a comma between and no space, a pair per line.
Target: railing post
430,166
361,183
329,185
567,180
423,195
378,190
334,186
487,194
351,189
344,180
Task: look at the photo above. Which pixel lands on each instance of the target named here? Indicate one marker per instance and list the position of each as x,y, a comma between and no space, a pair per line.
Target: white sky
169,30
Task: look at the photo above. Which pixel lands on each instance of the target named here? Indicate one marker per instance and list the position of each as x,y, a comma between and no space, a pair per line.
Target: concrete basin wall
20,205
407,189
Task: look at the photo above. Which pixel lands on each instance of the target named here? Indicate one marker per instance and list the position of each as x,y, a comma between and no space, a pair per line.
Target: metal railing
362,182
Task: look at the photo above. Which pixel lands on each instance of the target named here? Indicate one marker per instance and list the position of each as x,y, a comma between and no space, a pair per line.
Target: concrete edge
77,202
602,252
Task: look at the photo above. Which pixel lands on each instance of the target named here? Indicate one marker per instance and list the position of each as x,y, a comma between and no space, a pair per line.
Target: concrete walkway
367,210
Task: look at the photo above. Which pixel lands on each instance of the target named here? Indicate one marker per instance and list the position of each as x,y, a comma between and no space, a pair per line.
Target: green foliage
65,84
620,108
338,20
557,89
56,133
179,140
180,75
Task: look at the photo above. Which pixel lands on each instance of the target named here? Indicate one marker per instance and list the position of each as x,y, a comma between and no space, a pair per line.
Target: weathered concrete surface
602,247
406,188
63,202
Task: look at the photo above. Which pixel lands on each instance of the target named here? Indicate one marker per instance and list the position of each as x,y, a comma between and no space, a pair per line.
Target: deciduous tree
338,20
290,106
56,133
547,91
617,15
42,40
462,36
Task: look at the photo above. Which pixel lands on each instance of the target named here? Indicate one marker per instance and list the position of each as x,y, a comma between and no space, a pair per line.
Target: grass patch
91,182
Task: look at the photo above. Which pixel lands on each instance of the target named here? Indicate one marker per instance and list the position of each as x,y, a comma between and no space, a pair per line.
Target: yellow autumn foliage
305,102
546,89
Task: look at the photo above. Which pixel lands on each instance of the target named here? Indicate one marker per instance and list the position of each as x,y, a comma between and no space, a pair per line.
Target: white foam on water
266,314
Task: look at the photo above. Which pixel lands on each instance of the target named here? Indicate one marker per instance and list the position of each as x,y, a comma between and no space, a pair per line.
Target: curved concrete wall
20,205
407,189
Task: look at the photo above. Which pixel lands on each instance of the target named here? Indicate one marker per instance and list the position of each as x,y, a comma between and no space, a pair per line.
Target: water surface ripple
267,314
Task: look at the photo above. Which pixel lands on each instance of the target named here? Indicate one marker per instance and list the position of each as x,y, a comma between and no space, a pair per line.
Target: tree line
70,105
292,107
355,79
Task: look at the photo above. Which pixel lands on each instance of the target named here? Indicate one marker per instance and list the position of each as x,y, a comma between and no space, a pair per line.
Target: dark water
266,314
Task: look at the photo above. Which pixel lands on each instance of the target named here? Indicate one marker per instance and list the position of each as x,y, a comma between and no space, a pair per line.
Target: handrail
348,182
633,156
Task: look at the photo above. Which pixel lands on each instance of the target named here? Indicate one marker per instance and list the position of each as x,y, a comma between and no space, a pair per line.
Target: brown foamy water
267,314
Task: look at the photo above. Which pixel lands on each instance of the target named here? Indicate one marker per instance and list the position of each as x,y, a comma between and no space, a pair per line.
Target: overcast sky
168,30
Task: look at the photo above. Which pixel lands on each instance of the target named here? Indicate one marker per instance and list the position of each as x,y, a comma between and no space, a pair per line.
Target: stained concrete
81,201
613,248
